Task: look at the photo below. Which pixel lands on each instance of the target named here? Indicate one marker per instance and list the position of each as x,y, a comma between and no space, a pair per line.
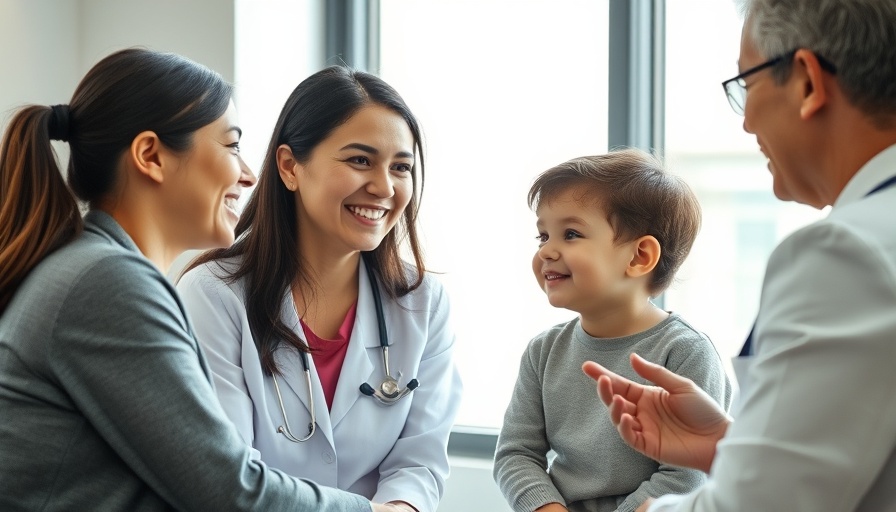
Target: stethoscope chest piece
389,390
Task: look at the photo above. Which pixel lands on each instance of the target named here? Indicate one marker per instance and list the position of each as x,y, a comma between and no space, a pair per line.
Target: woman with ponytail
106,400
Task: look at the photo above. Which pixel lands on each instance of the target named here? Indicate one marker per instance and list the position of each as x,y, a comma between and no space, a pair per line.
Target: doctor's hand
674,422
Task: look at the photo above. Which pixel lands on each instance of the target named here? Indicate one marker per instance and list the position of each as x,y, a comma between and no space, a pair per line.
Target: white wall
202,30
38,53
46,46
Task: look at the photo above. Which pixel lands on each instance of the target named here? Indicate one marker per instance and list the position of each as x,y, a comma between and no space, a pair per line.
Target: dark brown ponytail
38,213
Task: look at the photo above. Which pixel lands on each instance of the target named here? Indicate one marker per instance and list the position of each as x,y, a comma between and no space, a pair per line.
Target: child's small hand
644,506
551,507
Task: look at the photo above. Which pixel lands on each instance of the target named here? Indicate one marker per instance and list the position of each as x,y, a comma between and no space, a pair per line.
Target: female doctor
331,354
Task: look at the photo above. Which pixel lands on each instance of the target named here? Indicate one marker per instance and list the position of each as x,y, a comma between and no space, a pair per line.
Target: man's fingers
620,406
659,375
630,431
595,370
605,389
618,385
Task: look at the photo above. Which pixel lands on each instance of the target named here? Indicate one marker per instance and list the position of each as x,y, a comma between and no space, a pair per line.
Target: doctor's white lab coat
385,453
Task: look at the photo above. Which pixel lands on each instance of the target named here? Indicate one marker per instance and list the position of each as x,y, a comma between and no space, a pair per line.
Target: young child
612,231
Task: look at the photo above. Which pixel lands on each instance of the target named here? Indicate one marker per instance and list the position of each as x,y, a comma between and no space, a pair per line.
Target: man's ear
146,155
287,165
645,256
814,92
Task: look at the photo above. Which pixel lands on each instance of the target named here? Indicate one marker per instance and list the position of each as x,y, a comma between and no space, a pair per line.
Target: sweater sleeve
520,468
700,363
123,351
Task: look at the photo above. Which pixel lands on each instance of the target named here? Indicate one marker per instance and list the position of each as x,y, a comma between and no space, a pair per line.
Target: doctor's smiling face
356,184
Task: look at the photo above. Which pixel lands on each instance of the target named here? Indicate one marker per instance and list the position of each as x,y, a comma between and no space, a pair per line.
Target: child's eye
570,234
542,238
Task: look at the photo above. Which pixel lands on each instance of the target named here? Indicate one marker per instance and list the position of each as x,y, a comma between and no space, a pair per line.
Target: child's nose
547,252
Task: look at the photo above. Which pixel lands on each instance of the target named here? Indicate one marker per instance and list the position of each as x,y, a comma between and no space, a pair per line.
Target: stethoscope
389,391
746,349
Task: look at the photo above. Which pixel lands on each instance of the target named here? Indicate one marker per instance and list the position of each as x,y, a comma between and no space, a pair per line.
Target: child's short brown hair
639,198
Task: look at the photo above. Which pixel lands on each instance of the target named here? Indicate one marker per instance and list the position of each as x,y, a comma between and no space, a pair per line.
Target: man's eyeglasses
736,88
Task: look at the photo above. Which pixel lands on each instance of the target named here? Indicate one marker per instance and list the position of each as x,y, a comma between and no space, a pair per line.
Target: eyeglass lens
736,92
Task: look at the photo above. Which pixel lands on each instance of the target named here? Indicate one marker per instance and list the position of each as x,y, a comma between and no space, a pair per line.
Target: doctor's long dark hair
267,232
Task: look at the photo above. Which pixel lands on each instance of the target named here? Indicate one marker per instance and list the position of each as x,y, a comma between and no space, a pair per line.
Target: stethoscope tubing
389,392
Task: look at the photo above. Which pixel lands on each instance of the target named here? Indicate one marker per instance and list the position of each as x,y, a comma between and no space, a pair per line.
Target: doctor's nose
381,183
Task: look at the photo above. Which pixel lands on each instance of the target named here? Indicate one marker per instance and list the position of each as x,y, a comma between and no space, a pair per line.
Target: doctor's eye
359,160
403,167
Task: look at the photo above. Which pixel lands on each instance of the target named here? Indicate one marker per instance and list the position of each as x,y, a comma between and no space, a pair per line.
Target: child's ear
645,256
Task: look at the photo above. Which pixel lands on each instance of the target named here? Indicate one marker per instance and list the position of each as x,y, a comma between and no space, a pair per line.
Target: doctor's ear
646,253
288,167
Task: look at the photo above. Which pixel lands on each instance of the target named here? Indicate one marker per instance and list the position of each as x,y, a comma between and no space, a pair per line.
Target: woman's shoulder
92,278
92,263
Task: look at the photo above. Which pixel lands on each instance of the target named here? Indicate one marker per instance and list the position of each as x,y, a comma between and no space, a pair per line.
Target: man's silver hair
857,36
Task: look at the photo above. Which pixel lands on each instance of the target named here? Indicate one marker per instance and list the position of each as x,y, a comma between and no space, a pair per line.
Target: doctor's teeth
367,213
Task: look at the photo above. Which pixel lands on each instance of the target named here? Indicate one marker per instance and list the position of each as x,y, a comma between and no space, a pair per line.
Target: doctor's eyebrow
373,151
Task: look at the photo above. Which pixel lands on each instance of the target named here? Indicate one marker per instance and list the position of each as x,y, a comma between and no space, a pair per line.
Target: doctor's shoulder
211,275
429,296
212,285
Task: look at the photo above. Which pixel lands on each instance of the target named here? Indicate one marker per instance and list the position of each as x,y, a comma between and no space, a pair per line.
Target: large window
504,90
718,286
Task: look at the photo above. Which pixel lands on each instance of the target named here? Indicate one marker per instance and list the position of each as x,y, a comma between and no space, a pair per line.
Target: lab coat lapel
362,347
290,362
